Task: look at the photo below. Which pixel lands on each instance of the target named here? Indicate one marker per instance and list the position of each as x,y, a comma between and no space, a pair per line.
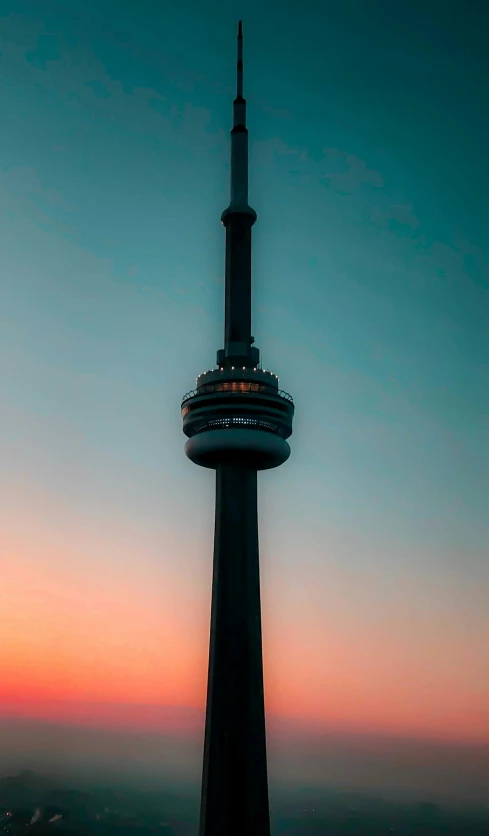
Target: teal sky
368,170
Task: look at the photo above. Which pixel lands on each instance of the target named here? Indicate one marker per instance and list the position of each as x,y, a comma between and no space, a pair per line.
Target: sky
368,130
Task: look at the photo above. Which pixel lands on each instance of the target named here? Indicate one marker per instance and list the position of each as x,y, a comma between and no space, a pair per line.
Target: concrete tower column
235,788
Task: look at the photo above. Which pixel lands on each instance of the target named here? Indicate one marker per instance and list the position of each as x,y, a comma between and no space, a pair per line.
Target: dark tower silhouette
237,422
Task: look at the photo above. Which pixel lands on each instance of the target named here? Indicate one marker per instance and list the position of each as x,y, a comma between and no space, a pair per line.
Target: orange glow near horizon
88,643
108,652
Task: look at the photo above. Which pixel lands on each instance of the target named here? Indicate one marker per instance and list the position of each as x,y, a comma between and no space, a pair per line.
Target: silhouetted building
237,422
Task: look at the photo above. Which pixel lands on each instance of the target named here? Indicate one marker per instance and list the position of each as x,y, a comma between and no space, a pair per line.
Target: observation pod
237,416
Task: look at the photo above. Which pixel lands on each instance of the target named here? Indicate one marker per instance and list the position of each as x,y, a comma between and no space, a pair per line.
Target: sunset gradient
371,277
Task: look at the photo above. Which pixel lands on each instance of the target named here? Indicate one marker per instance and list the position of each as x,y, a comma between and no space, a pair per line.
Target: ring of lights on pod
237,414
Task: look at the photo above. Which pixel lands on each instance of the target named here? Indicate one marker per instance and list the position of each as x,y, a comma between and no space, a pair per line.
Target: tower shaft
235,787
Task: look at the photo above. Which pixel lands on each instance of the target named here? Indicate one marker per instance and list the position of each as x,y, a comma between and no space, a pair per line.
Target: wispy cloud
356,174
397,218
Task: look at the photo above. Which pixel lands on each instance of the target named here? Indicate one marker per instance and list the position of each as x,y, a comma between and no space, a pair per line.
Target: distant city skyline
367,170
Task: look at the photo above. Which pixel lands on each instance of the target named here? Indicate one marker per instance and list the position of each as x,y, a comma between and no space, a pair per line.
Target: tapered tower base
234,784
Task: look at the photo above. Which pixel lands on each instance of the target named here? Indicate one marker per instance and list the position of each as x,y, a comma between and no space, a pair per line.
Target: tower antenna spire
238,219
239,91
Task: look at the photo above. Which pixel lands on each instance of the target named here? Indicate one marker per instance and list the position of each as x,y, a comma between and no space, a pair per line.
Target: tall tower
237,422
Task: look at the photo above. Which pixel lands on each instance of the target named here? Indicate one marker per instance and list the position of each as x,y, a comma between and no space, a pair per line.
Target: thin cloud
356,175
81,80
398,217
